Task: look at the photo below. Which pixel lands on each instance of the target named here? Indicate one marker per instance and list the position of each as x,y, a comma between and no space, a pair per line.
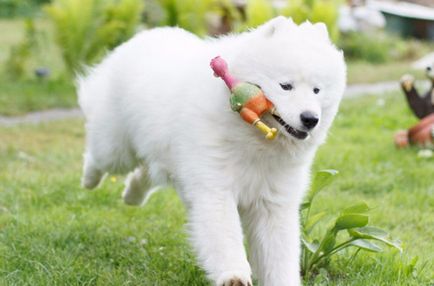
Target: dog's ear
275,25
318,31
321,31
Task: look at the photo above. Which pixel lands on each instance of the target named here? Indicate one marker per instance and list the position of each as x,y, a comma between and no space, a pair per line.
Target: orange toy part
255,107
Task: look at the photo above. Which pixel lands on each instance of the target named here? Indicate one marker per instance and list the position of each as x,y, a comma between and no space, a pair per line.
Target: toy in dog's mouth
291,130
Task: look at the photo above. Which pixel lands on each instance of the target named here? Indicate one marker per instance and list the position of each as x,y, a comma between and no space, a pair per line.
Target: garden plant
317,252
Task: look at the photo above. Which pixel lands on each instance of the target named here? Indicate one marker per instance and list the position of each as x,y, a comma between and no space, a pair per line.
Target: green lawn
363,72
17,98
54,233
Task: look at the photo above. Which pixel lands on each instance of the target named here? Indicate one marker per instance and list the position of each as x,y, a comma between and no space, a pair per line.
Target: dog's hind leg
91,174
137,189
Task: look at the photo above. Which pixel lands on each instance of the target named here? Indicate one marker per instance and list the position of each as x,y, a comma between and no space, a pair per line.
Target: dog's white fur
154,102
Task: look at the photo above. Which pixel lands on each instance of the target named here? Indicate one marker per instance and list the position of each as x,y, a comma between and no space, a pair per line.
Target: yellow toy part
270,133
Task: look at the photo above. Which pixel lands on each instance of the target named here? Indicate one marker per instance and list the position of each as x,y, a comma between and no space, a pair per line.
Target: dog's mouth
291,130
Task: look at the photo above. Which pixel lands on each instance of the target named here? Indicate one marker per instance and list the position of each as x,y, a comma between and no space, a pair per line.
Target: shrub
317,252
187,14
231,18
380,47
374,48
325,11
85,29
20,54
14,8
192,15
258,12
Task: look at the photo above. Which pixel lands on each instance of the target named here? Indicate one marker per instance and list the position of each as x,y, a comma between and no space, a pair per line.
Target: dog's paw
236,282
91,181
133,197
234,279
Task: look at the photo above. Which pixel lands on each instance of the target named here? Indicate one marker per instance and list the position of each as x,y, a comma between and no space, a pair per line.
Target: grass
33,95
364,72
54,233
397,183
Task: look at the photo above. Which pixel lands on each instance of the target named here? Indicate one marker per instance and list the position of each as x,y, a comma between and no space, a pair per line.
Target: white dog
154,108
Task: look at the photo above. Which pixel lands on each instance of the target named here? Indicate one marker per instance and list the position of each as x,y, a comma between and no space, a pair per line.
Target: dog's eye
286,86
316,90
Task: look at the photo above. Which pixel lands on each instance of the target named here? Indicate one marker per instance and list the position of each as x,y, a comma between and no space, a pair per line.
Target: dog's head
300,71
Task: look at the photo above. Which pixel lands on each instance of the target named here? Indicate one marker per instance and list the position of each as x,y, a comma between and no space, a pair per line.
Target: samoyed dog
154,109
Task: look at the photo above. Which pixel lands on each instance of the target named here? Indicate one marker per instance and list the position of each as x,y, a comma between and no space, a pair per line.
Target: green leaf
366,245
347,221
322,179
411,266
304,205
368,232
311,246
328,242
313,220
375,233
357,209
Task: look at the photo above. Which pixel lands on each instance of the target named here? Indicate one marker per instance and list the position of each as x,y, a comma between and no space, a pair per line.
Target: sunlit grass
17,98
54,233
364,72
396,183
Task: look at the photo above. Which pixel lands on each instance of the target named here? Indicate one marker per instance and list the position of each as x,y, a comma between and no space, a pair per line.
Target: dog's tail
82,83
90,87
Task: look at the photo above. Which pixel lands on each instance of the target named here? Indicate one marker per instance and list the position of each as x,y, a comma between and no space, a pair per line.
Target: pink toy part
220,69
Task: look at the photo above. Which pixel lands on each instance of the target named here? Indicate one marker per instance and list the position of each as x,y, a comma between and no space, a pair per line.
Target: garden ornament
246,98
42,72
422,134
420,105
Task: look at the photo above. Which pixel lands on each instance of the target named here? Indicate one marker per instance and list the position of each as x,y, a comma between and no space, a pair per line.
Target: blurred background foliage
14,8
20,54
80,32
325,11
85,29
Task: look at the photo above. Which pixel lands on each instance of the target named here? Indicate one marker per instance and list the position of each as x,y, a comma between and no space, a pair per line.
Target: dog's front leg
217,237
274,242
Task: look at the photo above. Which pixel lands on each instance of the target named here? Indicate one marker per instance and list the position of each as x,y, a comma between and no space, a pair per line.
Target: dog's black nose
309,119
